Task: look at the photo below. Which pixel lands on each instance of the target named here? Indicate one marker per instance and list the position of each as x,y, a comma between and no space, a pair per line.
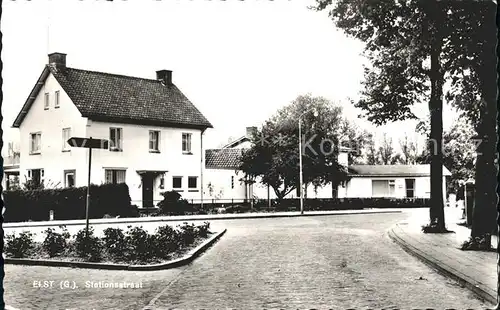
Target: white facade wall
218,186
136,157
361,187
50,124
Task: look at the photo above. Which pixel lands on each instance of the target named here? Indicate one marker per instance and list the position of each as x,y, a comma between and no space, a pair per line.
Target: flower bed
134,246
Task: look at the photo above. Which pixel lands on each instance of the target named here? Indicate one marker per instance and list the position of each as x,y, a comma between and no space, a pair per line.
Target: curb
478,288
181,218
84,265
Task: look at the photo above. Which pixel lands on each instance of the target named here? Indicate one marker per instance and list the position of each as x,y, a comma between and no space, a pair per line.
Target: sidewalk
474,269
208,217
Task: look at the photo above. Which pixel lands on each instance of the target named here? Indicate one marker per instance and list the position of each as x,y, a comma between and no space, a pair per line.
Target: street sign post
89,143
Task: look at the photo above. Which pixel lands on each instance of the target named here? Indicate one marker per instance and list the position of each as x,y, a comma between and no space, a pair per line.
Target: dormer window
46,101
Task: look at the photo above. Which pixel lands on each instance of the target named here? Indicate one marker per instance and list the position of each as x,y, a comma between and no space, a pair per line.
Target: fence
293,204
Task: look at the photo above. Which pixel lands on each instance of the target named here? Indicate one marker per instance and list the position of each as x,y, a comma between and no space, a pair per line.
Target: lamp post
301,172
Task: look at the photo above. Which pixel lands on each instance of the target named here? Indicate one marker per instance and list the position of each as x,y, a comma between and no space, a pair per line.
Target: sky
237,61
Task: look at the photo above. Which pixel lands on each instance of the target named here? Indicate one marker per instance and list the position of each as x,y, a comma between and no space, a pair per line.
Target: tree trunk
436,111
485,202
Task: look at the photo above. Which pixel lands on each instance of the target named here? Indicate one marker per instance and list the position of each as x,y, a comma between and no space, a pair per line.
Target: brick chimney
251,131
57,59
164,76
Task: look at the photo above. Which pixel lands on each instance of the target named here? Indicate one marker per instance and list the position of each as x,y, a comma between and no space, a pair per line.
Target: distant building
225,182
392,181
155,132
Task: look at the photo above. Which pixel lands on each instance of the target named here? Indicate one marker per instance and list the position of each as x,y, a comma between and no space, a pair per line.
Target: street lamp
300,160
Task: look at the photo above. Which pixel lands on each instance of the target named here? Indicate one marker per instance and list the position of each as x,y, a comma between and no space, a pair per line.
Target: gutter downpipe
202,155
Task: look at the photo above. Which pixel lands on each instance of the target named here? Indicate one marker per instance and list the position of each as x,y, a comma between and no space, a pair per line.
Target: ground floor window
36,176
11,181
383,188
177,183
115,176
192,182
69,178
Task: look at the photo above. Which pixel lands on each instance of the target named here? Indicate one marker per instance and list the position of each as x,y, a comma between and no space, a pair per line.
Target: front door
147,190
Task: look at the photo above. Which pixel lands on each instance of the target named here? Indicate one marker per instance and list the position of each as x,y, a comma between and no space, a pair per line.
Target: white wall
362,187
136,156
50,123
220,181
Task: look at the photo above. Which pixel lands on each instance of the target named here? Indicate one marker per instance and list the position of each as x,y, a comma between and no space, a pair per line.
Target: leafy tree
386,152
459,151
372,155
354,139
274,155
382,154
474,91
409,151
413,48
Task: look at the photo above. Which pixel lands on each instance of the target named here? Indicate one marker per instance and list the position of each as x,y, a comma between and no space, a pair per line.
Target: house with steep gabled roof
155,133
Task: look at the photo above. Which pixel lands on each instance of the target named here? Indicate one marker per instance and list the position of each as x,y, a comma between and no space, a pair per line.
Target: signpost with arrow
89,143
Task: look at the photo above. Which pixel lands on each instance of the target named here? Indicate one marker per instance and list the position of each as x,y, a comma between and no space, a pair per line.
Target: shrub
172,204
140,244
203,230
20,246
89,249
188,233
238,209
55,243
167,240
68,203
114,241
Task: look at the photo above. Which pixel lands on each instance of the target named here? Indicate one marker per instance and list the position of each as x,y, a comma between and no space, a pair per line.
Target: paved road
333,262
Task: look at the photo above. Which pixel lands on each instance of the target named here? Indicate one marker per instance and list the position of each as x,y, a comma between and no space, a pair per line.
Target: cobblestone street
335,262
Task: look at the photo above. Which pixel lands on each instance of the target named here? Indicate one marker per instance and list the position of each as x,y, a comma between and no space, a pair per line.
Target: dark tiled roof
118,98
222,158
392,170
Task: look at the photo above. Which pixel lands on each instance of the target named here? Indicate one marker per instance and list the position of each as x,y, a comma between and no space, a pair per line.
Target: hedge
68,203
310,204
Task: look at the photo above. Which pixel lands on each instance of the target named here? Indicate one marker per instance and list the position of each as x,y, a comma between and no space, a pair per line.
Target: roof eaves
31,98
390,175
236,142
221,168
108,119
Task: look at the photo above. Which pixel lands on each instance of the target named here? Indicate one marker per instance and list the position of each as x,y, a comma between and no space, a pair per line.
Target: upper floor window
46,101
66,134
56,99
154,141
116,139
115,176
186,143
35,143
